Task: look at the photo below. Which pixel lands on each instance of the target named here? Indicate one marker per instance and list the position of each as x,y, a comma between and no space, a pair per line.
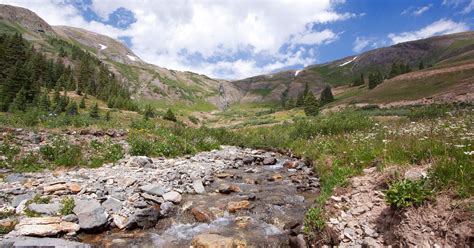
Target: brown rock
213,241
202,215
227,189
233,207
223,175
277,177
55,187
290,164
75,188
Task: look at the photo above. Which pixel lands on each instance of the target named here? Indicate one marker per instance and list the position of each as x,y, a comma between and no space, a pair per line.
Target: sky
234,39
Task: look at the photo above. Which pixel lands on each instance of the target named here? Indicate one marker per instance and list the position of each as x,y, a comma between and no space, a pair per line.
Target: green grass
263,91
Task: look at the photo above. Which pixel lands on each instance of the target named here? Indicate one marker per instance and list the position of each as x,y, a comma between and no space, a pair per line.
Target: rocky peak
26,18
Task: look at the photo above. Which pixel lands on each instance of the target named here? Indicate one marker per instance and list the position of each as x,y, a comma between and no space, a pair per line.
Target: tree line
307,100
28,77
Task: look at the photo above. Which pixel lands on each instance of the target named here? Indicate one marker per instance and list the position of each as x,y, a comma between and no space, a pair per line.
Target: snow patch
347,62
296,72
102,47
132,58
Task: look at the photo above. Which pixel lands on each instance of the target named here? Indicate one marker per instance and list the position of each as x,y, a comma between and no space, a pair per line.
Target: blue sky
236,39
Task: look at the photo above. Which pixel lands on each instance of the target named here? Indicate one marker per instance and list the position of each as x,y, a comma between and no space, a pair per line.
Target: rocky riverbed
230,197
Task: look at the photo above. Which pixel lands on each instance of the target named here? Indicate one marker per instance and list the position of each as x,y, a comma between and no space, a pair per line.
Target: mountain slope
145,81
442,51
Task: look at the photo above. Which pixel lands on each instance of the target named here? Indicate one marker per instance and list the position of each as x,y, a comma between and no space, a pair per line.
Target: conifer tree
421,66
311,105
108,116
71,109
149,113
94,111
326,96
82,104
20,102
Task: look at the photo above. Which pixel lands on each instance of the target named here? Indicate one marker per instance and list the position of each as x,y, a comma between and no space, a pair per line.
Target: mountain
145,81
435,52
170,87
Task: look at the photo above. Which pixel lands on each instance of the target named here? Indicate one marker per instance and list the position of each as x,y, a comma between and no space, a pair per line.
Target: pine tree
44,104
326,96
71,109
82,104
94,111
372,81
291,104
421,66
169,115
20,102
311,105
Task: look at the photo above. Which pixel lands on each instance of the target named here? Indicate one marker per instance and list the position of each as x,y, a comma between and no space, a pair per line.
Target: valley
99,148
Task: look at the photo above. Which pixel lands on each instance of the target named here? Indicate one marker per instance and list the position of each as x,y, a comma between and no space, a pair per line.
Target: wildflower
470,153
459,146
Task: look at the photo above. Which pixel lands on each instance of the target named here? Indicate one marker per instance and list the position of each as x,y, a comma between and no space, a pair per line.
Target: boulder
70,218
269,161
48,209
202,215
139,161
41,242
233,207
112,204
144,218
153,189
19,198
198,187
91,214
172,196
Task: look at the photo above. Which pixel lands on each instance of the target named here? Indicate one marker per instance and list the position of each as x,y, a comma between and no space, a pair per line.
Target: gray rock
41,242
140,161
414,174
19,198
172,196
144,218
140,204
112,204
248,160
91,214
371,242
152,198
14,178
269,161
70,218
166,208
198,187
153,189
49,209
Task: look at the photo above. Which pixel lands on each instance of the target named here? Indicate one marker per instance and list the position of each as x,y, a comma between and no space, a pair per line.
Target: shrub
314,220
193,119
62,153
94,111
29,163
406,193
169,115
68,206
105,152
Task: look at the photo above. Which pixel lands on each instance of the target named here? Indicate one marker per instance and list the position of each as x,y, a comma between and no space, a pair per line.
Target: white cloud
165,34
360,43
469,8
421,10
443,26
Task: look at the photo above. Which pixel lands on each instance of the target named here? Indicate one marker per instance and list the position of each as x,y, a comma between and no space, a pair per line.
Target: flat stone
198,187
172,196
19,198
153,189
269,161
415,173
233,207
212,241
120,221
43,226
70,218
152,198
91,214
41,243
49,208
143,218
55,187
11,178
112,204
